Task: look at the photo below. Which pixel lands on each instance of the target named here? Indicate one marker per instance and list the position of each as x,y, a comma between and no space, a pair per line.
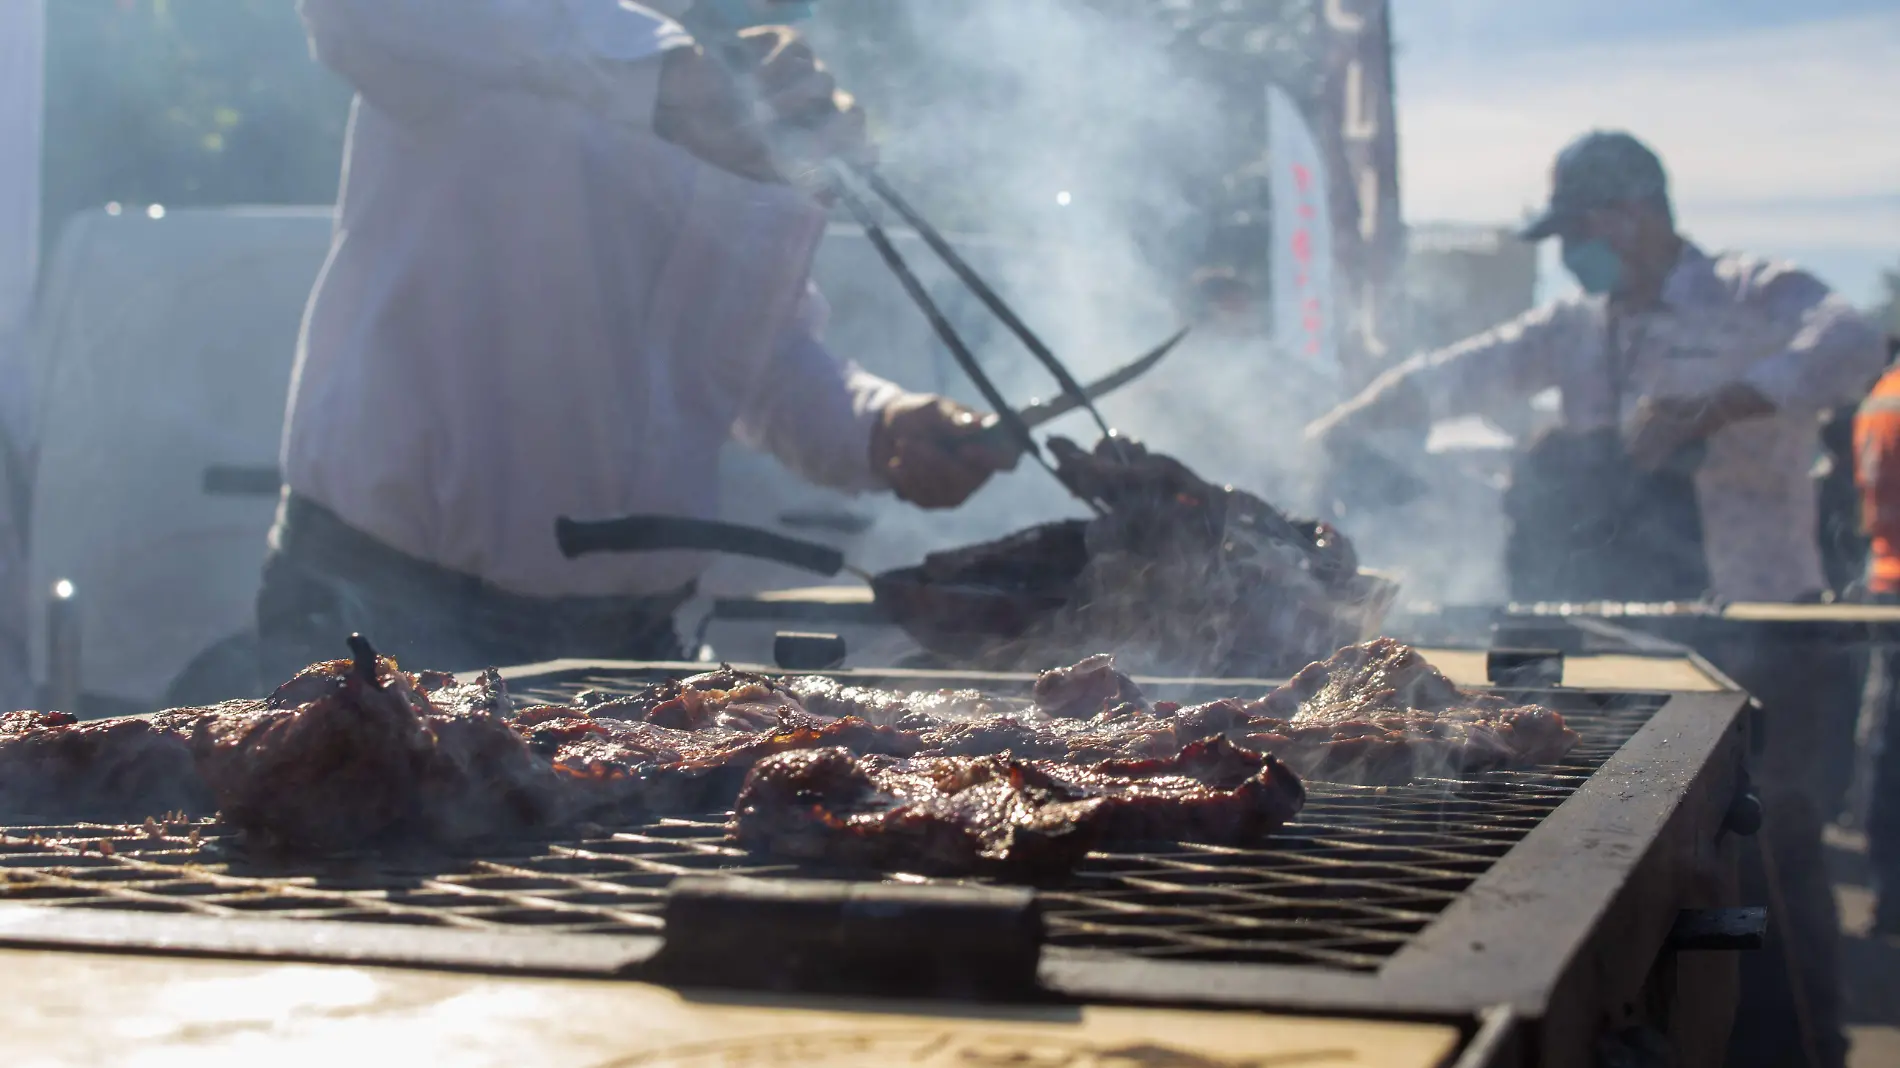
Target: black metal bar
990,298
1719,929
886,939
802,651
660,533
227,480
1524,667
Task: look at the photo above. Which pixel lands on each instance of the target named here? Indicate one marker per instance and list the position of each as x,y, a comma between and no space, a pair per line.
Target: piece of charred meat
656,769
828,698
354,754
1372,714
55,769
725,698
1087,689
1378,712
960,815
1178,575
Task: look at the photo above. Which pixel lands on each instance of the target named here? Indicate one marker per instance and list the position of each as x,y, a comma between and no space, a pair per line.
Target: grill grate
1345,886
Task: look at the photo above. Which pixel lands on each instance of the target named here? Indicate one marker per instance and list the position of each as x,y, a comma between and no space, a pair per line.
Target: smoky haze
1091,171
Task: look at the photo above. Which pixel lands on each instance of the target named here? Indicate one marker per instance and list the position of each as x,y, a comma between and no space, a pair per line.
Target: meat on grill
55,769
1372,714
1177,575
356,753
964,815
1378,712
606,762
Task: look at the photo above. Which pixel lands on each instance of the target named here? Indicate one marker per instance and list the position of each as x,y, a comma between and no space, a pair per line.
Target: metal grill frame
1564,928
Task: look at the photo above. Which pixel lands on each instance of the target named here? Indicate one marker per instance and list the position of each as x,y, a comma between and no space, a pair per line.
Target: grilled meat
355,753
1176,576
1375,713
55,769
1092,686
1378,712
725,698
827,698
957,815
661,769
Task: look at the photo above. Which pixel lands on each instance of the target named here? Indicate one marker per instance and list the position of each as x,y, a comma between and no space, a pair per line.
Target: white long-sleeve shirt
535,307
1723,319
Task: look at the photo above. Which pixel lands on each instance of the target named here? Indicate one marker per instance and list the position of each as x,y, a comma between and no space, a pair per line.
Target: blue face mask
745,14
1599,270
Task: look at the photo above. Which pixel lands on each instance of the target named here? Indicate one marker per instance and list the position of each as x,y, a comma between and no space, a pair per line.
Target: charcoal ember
351,754
55,768
977,815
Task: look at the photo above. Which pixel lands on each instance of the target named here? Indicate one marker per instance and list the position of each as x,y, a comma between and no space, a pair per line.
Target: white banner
22,105
1305,304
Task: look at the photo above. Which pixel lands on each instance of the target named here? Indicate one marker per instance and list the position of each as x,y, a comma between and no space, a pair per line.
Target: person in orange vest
1877,473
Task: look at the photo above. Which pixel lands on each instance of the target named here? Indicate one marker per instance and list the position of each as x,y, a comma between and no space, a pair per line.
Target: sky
1779,122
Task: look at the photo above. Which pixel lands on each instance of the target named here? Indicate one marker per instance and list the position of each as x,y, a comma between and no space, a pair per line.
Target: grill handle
659,533
1705,930
891,940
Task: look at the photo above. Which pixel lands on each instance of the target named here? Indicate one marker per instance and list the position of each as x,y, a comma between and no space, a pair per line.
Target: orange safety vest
1877,473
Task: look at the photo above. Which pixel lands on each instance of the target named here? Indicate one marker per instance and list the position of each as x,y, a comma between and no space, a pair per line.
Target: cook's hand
934,452
1661,425
816,119
702,109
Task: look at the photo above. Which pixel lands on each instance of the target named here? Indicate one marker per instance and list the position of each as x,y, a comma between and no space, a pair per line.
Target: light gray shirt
1724,318
536,307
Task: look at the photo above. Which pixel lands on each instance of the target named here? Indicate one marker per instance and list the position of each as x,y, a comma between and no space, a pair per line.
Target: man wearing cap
1670,345
1726,359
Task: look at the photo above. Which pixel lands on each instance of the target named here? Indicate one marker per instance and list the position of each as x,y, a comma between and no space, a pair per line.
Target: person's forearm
1834,356
1737,402
816,414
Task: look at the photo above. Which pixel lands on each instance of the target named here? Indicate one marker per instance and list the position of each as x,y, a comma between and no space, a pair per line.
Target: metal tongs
846,178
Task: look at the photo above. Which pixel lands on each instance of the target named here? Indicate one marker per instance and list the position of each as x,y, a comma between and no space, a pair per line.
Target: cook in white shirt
566,271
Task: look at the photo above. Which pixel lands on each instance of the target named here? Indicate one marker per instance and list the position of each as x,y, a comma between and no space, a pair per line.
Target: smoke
1070,136
1092,166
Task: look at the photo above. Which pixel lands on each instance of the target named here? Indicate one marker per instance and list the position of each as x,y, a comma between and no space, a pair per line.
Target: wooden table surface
144,1012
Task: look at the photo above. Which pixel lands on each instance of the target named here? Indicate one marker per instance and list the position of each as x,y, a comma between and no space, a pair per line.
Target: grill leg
1790,1012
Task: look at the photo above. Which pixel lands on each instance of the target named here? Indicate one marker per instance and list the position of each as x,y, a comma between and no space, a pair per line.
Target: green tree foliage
186,102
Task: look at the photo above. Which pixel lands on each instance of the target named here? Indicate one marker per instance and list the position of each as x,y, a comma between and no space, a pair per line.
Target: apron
1586,524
